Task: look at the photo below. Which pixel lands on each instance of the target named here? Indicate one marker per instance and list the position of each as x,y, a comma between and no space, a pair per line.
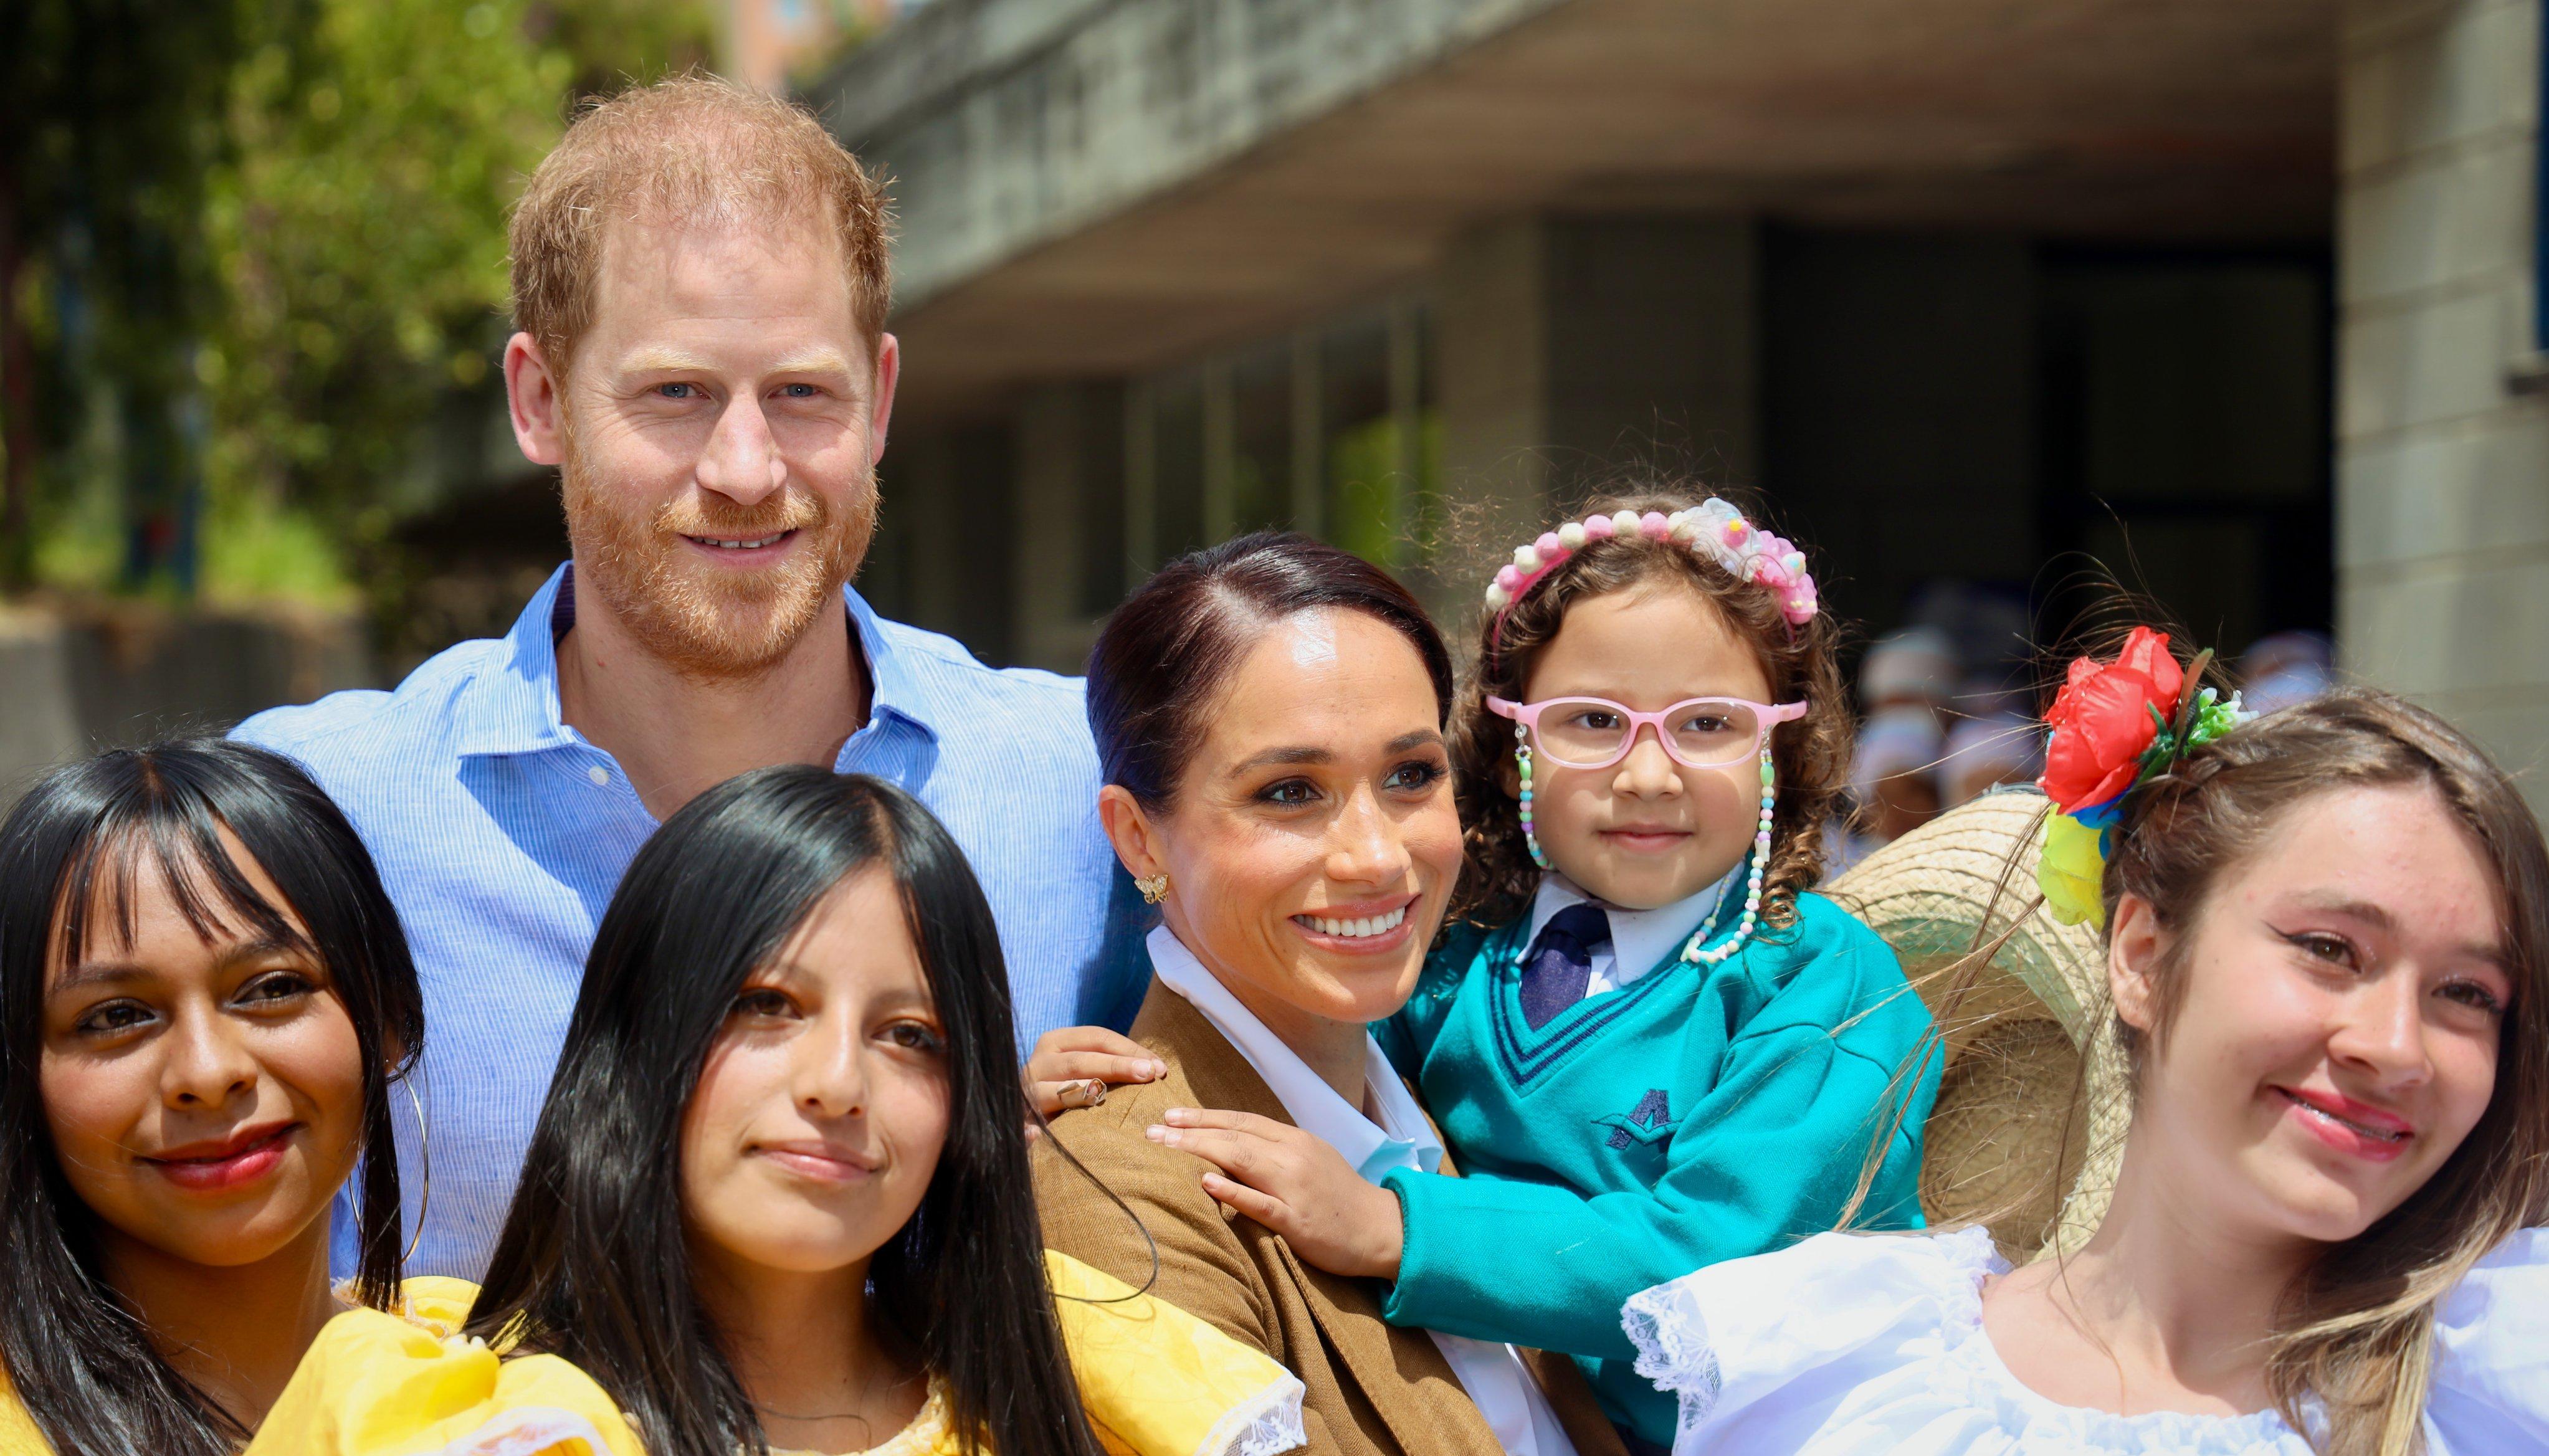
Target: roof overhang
1098,187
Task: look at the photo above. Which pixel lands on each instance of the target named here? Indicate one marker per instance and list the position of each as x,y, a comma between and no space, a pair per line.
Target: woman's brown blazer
1373,1390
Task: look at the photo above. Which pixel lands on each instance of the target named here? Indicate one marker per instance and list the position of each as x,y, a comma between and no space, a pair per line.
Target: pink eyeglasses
1697,732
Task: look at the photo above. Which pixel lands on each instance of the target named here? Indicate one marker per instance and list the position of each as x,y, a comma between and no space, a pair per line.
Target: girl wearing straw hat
2327,945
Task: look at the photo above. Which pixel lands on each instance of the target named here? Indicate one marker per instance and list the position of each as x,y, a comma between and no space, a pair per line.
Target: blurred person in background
699,281
2286,667
1916,667
1993,741
1893,780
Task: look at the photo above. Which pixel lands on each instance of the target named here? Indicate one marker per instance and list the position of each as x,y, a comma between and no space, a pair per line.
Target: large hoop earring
425,1165
1522,765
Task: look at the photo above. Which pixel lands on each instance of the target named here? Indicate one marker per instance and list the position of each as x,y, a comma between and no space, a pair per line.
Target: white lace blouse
1873,1346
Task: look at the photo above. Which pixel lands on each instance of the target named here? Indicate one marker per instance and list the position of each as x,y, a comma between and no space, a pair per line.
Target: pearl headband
1714,529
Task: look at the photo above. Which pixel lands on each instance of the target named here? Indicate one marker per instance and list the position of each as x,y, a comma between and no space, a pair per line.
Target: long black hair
70,856
592,1265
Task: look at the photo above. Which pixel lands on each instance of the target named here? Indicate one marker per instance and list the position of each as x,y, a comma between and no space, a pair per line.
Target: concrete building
2442,398
2234,300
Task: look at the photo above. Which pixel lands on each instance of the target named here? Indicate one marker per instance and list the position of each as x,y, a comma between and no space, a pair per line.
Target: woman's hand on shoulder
1294,1184
1075,1065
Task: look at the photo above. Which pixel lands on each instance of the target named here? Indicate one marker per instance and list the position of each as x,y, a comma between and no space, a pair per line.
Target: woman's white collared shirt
1492,1374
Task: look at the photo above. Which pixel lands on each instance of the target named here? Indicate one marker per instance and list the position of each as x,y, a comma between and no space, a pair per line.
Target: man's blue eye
801,392
676,390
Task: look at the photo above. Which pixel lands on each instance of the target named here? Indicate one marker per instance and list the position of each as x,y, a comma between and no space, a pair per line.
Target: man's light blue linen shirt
501,834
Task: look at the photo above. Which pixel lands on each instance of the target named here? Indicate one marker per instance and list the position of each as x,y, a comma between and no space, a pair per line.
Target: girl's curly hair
1811,756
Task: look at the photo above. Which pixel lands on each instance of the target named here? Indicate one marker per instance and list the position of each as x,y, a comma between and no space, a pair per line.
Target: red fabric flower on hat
2102,721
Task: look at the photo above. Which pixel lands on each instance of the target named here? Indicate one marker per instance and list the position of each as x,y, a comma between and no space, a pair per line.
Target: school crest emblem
1650,1122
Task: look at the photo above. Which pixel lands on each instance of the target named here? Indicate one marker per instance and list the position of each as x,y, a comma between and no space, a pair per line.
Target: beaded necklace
1692,950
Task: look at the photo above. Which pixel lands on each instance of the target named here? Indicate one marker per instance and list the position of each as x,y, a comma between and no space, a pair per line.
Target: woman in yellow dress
779,1200
205,1001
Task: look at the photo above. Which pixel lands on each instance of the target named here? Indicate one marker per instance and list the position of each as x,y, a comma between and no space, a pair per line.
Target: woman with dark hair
779,1199
204,1001
1268,716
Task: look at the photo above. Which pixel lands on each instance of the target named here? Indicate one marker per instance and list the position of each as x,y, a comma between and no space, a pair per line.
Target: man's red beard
708,622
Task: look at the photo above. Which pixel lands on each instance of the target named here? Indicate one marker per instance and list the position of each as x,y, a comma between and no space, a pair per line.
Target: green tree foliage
107,106
358,233
261,241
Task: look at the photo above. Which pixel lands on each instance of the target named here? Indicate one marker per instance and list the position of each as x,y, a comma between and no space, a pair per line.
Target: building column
942,555
1573,348
2442,493
1070,535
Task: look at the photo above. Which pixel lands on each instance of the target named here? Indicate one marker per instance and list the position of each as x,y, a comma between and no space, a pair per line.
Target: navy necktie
1560,965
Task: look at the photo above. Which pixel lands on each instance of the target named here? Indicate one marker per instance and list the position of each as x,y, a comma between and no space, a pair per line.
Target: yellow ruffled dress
1156,1382
407,1383
18,1433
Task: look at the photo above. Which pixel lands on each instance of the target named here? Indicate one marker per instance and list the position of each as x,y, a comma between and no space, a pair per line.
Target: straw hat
2002,1133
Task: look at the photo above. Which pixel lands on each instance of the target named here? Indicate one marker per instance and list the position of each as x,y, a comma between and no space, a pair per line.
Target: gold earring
1154,887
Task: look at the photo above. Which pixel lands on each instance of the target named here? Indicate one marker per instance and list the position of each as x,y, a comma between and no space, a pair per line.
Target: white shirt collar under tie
1640,940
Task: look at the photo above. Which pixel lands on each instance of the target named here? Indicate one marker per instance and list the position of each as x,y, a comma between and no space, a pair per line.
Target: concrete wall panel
2443,476
2418,496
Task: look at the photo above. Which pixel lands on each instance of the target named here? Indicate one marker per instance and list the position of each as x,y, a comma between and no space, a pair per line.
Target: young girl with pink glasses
1648,1044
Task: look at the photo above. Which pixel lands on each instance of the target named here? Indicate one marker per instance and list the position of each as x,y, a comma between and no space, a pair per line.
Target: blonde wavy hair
2357,1329
2355,1332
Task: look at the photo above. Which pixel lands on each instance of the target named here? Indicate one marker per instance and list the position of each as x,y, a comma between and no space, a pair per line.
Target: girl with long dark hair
205,1000
779,1197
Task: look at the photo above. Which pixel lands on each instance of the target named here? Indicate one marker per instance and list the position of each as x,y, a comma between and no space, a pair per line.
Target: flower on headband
1713,528
1781,567
2105,718
2115,724
2073,871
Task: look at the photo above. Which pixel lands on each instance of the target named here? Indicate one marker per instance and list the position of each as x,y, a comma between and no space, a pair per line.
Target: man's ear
889,372
1130,831
537,400
2136,944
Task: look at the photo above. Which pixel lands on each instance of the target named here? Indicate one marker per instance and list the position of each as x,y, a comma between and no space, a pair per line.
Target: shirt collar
894,685
512,707
1640,940
1401,1138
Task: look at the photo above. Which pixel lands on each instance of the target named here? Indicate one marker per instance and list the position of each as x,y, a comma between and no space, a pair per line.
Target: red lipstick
215,1166
2348,1126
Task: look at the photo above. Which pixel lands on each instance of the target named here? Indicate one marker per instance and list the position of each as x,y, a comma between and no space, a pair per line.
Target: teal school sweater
1698,1114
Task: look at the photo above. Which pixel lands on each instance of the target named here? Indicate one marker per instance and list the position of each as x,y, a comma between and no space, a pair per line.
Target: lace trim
1975,1258
529,1431
1265,1424
1673,1350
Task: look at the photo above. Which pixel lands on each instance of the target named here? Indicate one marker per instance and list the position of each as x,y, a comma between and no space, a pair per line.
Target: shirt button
600,775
